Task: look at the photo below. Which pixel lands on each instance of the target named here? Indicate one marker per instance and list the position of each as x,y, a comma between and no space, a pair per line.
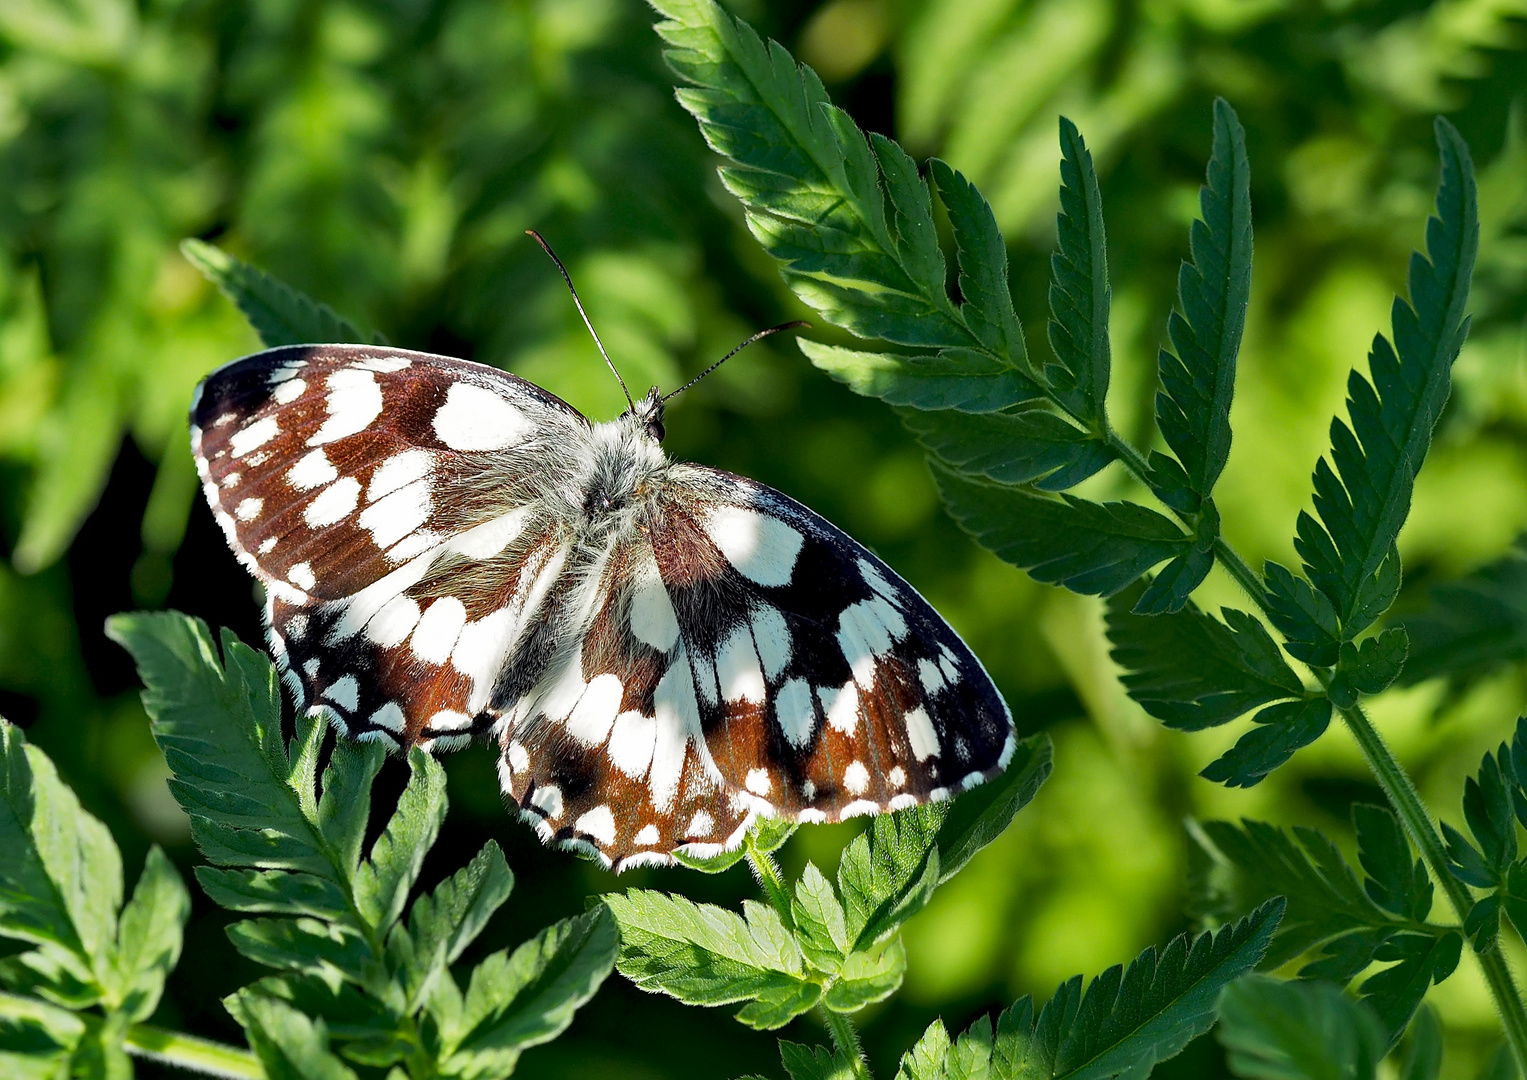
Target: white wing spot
479,651
594,714
897,776
761,547
549,800
288,391
737,669
859,808
249,509
519,757
231,480
383,364
930,676
285,372
856,778
793,712
399,471
312,470
438,629
701,825
811,817
254,436
389,716
808,790
651,612
267,545
867,630
297,627
876,580
631,743
677,717
476,419
488,539
301,575
949,668
647,834
758,782
354,401
345,693
901,802
598,823
397,514
449,720
921,735
841,707
392,625
772,637
333,503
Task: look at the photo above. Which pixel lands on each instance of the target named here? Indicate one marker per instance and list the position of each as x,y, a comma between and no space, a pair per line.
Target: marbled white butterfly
659,650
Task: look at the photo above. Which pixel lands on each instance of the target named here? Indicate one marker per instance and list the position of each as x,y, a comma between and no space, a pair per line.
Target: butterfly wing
390,502
747,657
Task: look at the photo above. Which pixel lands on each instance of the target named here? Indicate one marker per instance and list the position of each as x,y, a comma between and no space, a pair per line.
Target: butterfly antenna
579,303
756,337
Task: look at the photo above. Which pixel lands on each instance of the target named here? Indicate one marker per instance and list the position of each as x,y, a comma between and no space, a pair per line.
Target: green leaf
276,892
528,997
1377,662
1032,446
149,936
444,922
706,955
279,313
383,881
289,1045
1126,1020
821,930
987,300
976,817
886,875
953,378
1276,1030
1284,728
304,945
1362,495
867,976
1169,590
1080,296
1088,547
1473,625
1192,671
767,834
1487,807
1423,1052
1397,881
1396,992
1193,404
60,871
1303,615
815,1063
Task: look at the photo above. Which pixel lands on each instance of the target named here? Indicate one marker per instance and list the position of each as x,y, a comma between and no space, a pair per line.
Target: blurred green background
386,157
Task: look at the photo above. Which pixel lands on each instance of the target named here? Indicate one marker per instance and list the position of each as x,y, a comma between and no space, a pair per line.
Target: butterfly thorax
619,473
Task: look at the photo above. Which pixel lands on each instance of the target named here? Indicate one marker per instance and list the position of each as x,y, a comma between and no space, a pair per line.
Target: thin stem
1418,822
767,873
846,1039
144,1040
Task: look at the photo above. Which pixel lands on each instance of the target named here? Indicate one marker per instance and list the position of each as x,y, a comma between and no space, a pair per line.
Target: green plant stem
767,873
1418,822
846,1039
146,1041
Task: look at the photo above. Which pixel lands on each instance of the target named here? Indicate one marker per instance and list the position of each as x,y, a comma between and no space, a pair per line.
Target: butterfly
659,651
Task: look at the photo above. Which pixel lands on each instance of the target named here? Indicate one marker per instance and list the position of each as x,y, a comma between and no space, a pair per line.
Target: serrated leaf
969,822
60,871
1080,295
1377,662
444,922
1282,729
953,378
1397,881
289,1045
1363,492
1277,1030
522,999
925,1061
867,977
304,945
765,834
886,875
349,1013
149,937
815,1062
1128,1018
1487,807
706,955
1169,590
1396,992
1197,383
1303,615
820,928
279,313
1088,547
1191,670
1032,446
38,1041
274,892
382,882
1471,626
987,300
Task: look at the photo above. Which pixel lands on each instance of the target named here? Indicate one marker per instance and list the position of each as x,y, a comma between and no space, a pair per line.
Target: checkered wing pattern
391,504
743,656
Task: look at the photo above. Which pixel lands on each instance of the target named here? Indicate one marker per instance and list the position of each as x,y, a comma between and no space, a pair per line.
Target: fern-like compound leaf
1033,446
1080,296
279,313
1198,379
1471,626
1363,492
1273,1029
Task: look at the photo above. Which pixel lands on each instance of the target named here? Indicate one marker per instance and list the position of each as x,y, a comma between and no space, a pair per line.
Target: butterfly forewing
662,652
389,501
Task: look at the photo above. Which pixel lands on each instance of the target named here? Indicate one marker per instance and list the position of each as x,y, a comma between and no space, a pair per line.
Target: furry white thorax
618,472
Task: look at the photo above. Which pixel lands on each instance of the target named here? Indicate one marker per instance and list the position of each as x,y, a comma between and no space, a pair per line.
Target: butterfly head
648,412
